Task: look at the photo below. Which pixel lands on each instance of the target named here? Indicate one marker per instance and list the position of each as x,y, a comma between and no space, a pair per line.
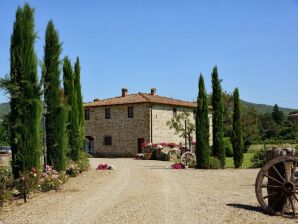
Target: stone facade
124,131
161,132
147,125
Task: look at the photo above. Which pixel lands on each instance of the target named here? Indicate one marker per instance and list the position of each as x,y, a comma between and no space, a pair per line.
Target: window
87,114
130,112
108,113
194,114
174,112
108,140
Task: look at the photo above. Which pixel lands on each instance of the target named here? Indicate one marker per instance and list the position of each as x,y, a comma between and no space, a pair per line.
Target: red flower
33,170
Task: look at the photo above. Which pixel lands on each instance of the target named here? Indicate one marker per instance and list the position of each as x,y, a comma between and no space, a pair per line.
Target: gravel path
147,192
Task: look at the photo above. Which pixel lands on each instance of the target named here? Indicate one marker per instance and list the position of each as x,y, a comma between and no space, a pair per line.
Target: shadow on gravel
247,207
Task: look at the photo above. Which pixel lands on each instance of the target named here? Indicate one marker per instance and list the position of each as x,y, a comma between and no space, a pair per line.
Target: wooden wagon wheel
188,158
277,187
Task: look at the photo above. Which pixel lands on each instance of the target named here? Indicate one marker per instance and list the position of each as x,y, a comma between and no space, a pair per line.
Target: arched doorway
89,144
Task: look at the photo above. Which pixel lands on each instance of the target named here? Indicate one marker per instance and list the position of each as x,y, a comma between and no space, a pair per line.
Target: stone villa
117,127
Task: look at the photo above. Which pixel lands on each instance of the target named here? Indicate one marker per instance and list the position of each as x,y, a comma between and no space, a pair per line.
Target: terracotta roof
140,98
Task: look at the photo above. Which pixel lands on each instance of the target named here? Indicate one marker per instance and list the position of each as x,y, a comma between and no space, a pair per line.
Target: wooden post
277,201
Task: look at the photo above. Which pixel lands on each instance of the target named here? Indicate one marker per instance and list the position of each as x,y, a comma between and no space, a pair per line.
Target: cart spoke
269,195
277,181
283,206
295,197
281,177
270,186
292,205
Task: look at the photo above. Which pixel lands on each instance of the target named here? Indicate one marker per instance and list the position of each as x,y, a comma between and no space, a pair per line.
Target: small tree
79,98
238,147
202,128
182,126
73,118
217,119
277,114
55,117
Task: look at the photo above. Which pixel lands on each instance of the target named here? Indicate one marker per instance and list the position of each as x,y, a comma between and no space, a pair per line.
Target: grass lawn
246,161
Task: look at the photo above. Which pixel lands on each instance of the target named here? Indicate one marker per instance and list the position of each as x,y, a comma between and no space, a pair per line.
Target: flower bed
105,166
161,151
177,166
37,180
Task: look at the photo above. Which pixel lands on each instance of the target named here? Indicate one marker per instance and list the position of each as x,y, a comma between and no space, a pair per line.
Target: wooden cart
276,185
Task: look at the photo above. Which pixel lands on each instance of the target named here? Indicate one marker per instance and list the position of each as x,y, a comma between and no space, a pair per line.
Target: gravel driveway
147,192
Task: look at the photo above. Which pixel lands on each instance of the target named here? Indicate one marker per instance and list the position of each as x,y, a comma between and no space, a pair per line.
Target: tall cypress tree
55,117
24,89
237,131
217,119
73,118
202,128
79,98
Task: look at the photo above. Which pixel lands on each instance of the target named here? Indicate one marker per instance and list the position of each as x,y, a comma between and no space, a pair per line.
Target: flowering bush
139,156
105,167
72,169
172,145
51,180
27,182
177,166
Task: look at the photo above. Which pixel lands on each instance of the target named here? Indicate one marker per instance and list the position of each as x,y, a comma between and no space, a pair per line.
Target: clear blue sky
167,43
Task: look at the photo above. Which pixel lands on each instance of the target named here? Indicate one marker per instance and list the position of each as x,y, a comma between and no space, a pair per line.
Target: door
140,142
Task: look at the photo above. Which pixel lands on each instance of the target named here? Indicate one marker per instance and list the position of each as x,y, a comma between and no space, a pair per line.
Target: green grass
246,161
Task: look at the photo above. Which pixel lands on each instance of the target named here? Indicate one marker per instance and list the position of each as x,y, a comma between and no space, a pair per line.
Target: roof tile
140,98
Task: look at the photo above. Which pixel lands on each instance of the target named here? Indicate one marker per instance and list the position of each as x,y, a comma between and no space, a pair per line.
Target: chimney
153,92
96,99
124,92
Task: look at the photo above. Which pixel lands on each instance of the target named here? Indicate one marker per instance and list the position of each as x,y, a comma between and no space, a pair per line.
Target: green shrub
6,183
228,147
215,163
259,159
83,162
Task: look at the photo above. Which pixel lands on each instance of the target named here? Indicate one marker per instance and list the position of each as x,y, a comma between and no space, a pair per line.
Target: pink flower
177,166
102,167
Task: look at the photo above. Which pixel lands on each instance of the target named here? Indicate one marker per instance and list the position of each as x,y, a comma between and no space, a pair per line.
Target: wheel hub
289,187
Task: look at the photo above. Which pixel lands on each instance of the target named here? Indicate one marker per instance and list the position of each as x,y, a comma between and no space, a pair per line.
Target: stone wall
123,130
161,132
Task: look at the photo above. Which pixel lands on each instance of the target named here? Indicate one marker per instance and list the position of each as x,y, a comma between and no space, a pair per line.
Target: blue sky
167,43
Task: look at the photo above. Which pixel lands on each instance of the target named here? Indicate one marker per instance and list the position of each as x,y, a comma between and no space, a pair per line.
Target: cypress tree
202,128
237,131
79,98
73,118
24,89
217,119
55,117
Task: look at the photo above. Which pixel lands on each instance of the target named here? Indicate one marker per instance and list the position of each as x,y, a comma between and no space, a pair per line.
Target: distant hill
263,108
4,109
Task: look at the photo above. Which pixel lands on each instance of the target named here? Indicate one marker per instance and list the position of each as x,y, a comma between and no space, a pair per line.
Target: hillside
263,108
4,109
